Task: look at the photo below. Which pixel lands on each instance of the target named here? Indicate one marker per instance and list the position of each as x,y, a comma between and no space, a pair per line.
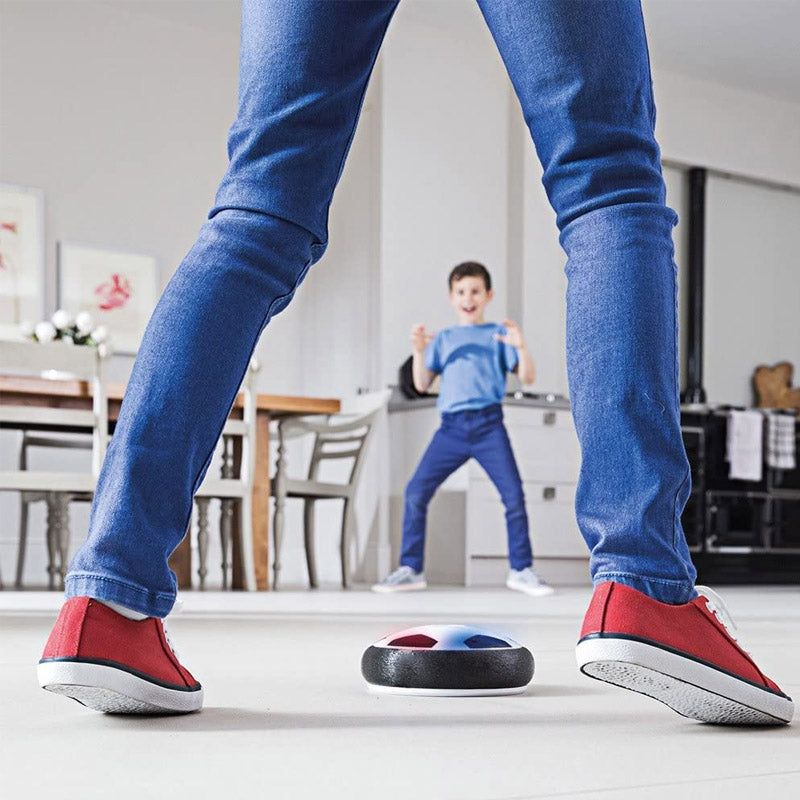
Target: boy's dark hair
469,269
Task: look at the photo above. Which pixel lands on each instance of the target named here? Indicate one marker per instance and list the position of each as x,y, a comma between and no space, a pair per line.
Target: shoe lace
169,640
718,608
176,609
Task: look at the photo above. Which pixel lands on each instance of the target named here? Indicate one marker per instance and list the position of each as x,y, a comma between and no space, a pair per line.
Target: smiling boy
473,358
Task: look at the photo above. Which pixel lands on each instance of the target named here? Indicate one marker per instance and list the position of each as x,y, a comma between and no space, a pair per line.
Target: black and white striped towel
781,441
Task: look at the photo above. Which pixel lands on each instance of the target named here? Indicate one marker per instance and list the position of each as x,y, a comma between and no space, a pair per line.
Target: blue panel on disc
481,641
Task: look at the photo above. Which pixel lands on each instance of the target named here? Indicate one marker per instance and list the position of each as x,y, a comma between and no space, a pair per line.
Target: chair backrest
40,358
49,442
341,440
343,436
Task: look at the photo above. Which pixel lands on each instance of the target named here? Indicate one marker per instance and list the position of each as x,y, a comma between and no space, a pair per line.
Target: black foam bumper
501,668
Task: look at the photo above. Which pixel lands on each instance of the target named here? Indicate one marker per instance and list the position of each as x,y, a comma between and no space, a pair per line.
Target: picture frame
119,289
22,258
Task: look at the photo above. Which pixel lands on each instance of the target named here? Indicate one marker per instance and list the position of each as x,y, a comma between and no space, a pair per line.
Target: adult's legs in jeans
304,70
582,75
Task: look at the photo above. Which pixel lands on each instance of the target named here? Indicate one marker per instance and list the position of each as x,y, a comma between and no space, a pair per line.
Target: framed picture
119,290
22,262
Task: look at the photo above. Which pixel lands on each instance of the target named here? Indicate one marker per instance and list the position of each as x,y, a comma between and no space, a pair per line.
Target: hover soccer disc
447,660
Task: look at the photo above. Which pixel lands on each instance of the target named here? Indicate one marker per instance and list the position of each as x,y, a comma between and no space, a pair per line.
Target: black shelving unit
738,531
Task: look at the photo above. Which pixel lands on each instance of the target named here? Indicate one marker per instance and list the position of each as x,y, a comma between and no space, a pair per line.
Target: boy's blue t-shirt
473,366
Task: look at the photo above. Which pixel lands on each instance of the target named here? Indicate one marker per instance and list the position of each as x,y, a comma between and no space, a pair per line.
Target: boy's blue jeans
481,435
582,76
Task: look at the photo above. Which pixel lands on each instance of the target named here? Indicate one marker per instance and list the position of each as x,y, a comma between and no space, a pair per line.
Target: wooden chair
231,489
22,357
57,508
335,439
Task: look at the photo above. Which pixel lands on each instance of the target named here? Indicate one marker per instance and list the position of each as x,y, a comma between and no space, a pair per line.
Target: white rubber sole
113,690
689,687
544,591
405,587
402,690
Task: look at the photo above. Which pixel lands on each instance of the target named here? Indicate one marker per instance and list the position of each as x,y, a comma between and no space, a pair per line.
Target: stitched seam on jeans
652,109
132,586
675,520
665,581
676,379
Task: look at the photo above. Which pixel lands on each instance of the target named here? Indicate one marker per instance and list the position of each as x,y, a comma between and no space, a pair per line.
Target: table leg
237,571
260,502
260,505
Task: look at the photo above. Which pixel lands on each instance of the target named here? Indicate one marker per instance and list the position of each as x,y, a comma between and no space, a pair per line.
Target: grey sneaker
403,579
526,580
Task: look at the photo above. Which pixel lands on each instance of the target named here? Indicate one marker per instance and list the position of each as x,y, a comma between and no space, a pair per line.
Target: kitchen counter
397,402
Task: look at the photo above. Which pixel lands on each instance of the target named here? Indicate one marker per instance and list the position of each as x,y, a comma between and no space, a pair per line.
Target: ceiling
748,44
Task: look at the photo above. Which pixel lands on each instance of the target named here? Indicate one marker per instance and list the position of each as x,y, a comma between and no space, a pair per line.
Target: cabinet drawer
548,455
551,516
545,444
527,417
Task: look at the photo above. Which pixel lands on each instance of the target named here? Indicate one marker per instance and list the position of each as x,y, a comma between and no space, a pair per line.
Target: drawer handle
549,417
549,492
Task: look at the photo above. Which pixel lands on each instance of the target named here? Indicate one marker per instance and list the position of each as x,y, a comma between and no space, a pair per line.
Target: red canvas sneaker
111,663
685,656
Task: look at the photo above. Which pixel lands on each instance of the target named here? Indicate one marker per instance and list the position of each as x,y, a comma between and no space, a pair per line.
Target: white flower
103,350
45,331
62,319
100,334
68,340
84,322
26,328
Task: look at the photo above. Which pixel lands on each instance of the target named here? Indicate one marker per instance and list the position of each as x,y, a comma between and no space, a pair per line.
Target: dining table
35,391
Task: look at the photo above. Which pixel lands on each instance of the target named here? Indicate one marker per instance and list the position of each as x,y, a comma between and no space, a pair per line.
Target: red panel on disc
415,640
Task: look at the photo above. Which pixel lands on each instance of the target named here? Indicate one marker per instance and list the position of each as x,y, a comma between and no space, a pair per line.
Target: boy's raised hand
420,338
513,334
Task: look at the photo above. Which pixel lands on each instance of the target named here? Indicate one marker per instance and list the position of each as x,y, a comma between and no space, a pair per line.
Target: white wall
120,116
752,285
705,124
543,281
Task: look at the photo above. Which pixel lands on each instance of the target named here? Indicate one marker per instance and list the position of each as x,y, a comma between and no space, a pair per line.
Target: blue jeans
582,76
481,435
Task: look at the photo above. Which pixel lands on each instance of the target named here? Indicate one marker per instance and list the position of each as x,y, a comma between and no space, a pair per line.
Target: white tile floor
287,715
